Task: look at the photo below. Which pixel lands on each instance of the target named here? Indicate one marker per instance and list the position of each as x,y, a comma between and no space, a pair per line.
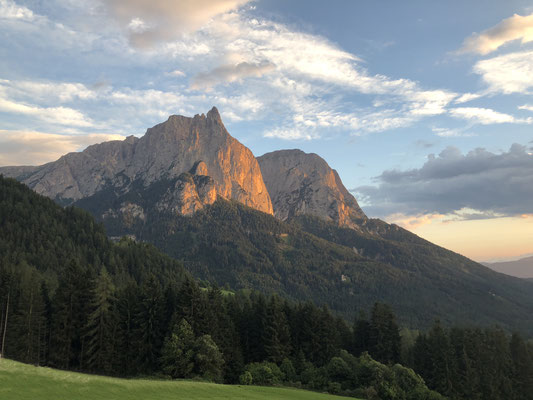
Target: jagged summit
304,183
200,161
165,152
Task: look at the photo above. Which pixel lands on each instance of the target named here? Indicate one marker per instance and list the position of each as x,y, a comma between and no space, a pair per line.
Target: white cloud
55,115
447,132
177,73
486,116
290,134
148,22
465,98
36,148
527,107
509,73
513,28
47,92
11,10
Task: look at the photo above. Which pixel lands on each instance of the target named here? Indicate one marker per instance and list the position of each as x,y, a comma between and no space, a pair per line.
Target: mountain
301,183
522,268
37,234
197,154
196,193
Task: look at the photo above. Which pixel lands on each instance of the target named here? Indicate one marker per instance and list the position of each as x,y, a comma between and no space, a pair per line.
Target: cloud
11,10
467,97
291,134
413,222
509,73
177,73
36,148
527,107
149,22
455,132
55,115
48,92
479,184
486,116
513,28
230,73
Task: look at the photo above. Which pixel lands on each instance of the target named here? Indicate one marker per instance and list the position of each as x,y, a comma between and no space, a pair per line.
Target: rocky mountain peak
200,146
302,183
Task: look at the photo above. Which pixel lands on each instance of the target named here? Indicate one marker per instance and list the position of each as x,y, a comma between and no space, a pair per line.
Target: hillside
282,223
22,382
312,259
522,268
72,299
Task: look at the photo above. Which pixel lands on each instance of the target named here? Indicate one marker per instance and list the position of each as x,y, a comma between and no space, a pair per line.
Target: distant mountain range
282,222
522,268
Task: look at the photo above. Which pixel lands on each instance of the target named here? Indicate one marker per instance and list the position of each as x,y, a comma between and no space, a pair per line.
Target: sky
424,107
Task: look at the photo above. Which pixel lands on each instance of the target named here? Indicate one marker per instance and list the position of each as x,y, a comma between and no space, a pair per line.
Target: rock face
199,151
184,164
302,183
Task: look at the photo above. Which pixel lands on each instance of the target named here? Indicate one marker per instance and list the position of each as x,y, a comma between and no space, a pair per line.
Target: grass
25,382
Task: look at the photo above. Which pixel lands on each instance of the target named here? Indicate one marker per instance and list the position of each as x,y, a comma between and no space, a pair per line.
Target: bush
246,378
288,370
265,373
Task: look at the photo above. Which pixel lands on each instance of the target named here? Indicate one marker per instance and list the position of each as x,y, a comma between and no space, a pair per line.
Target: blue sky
424,107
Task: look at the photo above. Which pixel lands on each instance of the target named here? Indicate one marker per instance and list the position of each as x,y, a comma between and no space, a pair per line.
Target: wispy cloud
465,98
509,73
55,115
36,148
230,73
149,22
513,28
486,116
527,107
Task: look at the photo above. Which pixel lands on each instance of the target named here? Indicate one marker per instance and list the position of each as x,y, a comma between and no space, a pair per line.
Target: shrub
246,378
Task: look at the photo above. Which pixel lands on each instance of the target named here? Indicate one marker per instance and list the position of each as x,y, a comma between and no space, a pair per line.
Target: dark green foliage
62,312
309,259
101,325
441,284
474,364
149,322
177,357
384,335
265,373
208,360
126,309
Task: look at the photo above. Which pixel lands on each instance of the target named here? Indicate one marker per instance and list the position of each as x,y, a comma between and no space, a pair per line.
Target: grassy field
25,382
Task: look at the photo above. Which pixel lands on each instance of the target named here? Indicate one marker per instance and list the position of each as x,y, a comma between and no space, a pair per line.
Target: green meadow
26,382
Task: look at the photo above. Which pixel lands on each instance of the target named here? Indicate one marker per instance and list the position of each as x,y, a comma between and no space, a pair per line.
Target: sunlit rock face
301,183
199,151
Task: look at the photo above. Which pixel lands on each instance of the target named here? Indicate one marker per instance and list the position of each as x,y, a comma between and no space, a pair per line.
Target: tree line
72,299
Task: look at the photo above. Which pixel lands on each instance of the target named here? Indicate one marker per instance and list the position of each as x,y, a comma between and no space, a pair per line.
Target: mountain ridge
167,150
195,192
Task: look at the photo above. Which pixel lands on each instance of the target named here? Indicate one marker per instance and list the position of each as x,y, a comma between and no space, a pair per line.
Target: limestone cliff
301,183
199,151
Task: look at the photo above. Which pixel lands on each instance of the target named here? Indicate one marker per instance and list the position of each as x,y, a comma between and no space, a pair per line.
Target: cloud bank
479,184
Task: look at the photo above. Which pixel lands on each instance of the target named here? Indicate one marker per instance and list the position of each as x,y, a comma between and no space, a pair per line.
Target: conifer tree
384,335
277,337
101,325
150,332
